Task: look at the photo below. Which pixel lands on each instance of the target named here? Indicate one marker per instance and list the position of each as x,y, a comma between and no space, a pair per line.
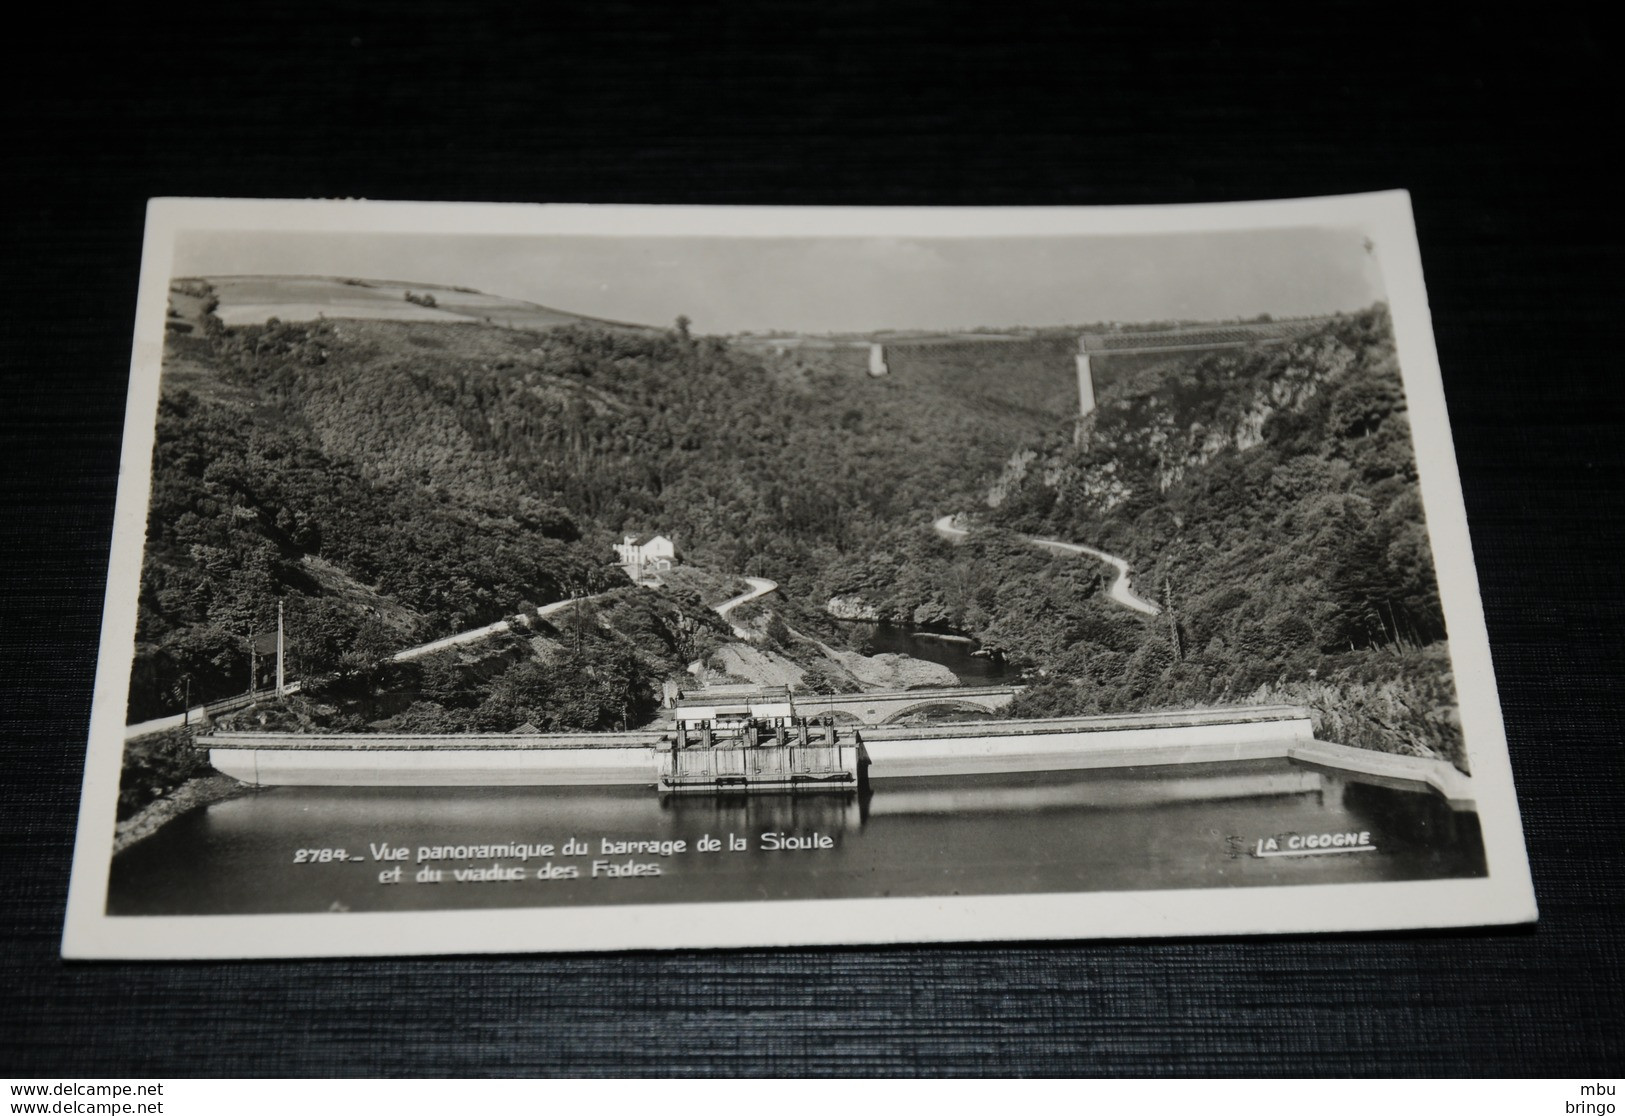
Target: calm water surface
1193,826
954,652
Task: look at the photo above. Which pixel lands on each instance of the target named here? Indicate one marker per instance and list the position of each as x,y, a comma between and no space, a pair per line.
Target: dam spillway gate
751,740
735,767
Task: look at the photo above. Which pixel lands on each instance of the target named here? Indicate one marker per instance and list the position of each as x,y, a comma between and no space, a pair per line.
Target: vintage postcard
515,578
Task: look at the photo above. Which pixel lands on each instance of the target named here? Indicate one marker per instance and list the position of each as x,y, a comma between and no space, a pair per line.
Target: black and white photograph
560,577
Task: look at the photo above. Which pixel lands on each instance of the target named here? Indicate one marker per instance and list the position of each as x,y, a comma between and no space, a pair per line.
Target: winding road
760,587
478,634
948,527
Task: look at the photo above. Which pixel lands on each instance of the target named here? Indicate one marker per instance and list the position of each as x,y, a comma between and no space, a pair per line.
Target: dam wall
575,759
1205,736
1065,744
582,759
558,767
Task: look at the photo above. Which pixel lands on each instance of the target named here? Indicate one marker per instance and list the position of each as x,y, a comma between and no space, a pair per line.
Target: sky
836,284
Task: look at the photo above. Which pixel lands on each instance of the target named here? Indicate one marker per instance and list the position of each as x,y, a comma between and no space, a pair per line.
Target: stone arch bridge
885,708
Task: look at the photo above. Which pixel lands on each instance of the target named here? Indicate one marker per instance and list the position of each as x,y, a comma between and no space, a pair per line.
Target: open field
251,299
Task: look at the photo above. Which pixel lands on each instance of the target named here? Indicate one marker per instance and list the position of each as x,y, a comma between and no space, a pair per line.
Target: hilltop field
254,299
411,470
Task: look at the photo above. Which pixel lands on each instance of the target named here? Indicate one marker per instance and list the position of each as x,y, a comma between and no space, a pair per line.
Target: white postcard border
1505,895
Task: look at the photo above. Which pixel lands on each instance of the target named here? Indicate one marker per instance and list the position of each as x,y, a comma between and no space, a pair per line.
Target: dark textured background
1502,132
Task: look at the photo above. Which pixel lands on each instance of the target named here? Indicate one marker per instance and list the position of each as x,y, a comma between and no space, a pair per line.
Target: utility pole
279,649
575,617
1173,622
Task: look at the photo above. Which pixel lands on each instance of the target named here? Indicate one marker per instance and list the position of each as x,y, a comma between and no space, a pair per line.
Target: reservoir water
1259,824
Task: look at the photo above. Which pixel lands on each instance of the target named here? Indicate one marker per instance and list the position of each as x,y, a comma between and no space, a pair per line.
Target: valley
392,473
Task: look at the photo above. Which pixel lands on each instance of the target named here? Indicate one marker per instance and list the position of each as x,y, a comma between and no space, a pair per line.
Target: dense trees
389,482
1268,497
398,481
248,509
597,665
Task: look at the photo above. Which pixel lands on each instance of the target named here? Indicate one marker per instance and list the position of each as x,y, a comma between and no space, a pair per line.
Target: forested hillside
249,510
1267,498
390,482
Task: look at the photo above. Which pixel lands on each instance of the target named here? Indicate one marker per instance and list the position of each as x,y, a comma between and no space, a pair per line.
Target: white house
643,557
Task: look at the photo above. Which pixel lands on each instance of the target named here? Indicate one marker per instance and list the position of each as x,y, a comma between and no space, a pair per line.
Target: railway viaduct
1094,346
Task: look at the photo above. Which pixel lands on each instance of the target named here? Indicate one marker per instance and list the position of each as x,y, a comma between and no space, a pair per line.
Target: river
956,652
1186,827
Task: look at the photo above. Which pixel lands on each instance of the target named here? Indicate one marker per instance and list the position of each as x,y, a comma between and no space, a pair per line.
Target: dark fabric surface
1500,130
